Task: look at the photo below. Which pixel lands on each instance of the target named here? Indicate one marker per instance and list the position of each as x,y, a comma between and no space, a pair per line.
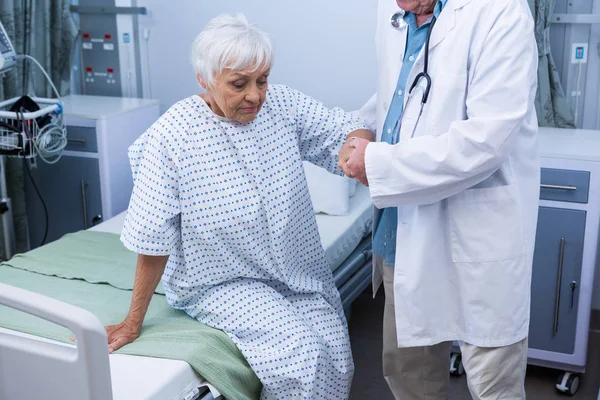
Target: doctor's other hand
354,165
122,334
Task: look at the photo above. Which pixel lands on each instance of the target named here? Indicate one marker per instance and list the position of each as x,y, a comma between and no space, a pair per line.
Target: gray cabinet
557,267
71,191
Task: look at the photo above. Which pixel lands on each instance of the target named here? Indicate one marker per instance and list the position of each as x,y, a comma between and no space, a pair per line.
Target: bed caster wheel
568,383
456,366
96,220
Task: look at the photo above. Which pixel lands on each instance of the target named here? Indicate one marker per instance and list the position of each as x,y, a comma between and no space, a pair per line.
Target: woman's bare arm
149,270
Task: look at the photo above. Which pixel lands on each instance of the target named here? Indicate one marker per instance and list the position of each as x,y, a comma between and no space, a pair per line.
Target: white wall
323,48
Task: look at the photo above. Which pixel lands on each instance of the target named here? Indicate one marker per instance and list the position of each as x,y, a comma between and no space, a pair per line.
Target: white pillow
330,194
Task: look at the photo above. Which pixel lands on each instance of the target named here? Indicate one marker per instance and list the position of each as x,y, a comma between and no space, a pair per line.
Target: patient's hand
352,159
344,154
122,334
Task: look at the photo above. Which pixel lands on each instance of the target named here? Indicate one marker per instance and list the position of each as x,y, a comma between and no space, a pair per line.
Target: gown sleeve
321,131
152,223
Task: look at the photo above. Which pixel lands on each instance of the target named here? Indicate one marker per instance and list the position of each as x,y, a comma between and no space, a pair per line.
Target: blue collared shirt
384,240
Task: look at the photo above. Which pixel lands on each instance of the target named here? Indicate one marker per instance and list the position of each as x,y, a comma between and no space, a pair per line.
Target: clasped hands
352,156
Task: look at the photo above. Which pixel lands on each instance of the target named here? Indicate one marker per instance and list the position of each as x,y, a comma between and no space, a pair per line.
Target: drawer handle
561,258
558,187
78,141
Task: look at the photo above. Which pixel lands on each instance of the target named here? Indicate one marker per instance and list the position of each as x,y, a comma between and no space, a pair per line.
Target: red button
86,35
107,36
110,70
89,69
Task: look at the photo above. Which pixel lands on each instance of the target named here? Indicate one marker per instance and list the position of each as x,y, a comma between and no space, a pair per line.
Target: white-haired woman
220,200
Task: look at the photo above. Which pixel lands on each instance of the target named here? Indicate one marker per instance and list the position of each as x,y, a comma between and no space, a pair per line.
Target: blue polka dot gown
229,203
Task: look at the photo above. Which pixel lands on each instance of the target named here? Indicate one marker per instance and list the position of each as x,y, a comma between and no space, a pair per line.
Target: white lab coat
467,184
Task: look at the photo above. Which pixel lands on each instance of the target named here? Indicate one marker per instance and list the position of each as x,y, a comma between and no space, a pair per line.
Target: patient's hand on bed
119,335
122,334
148,271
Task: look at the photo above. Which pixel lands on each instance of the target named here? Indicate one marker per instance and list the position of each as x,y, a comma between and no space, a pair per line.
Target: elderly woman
220,199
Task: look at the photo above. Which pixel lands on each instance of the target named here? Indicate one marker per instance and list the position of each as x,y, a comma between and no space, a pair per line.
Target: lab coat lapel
446,22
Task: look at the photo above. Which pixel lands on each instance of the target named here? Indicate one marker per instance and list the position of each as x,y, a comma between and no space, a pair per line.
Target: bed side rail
34,368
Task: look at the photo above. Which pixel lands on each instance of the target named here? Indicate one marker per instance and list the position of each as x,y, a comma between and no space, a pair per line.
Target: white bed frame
80,372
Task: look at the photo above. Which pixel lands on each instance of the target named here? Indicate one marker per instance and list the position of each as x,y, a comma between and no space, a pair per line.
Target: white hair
229,42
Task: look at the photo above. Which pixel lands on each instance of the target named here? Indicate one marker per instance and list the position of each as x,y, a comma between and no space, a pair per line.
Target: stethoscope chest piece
397,19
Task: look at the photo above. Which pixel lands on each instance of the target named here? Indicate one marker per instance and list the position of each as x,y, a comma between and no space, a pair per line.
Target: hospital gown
229,203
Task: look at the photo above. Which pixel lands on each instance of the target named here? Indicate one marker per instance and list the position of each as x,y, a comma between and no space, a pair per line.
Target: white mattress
339,234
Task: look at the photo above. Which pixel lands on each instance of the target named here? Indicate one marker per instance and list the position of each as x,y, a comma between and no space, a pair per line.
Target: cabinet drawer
81,138
565,185
74,202
556,279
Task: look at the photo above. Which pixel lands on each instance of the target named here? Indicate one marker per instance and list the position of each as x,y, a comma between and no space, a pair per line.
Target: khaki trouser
422,373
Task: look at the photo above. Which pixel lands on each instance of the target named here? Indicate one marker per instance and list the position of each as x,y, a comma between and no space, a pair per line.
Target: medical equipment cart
31,128
92,181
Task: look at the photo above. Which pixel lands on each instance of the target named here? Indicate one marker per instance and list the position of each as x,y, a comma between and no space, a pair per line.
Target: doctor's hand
352,159
122,334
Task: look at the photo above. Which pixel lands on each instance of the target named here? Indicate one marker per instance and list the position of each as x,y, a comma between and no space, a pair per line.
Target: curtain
550,103
45,30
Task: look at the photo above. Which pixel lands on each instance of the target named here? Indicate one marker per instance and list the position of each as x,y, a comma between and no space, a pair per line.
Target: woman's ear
201,82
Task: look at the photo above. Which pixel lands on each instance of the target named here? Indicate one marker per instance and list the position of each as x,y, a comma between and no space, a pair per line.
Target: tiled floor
365,334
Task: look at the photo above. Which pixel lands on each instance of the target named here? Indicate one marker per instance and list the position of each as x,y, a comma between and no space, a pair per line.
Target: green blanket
94,271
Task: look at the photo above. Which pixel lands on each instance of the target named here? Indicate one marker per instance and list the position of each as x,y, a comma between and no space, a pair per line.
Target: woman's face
238,95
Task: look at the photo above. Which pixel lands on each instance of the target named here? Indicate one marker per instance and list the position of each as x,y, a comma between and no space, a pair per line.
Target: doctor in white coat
461,173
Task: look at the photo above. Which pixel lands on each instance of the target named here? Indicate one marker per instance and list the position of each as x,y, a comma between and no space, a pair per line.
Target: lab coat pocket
485,225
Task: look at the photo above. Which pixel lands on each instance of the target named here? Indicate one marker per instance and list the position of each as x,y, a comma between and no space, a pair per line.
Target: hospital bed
346,240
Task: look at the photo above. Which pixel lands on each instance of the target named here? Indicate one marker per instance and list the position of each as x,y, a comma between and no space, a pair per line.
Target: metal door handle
78,141
561,258
558,187
84,204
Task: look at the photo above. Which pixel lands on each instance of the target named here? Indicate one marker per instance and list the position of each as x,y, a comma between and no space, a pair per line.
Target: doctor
455,177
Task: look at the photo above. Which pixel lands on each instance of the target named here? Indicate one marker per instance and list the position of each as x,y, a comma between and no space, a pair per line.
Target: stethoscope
395,22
